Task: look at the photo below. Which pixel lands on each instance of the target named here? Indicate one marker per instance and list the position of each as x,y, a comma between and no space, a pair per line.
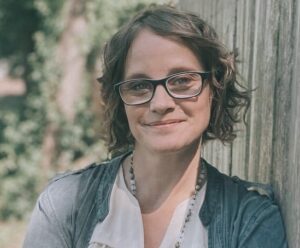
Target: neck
157,174
165,166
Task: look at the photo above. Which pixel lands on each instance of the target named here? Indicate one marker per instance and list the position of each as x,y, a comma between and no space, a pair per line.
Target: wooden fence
267,33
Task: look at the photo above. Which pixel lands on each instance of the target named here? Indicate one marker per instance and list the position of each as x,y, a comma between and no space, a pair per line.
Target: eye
182,80
138,86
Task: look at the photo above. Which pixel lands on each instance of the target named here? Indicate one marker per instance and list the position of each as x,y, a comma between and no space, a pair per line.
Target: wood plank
244,43
287,122
268,33
292,211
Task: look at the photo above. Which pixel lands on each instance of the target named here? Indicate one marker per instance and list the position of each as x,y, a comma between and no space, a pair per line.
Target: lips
163,123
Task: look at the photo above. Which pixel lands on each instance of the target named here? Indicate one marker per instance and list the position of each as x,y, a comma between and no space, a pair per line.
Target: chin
170,147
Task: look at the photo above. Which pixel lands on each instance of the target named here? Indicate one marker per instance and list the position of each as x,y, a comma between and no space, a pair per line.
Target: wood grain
267,150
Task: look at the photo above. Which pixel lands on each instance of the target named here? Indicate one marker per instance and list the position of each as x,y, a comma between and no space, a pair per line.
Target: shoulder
63,191
242,196
249,199
233,186
66,191
258,217
248,209
69,181
67,208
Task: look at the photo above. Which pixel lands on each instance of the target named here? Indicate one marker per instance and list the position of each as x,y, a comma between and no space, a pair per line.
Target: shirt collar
212,194
110,173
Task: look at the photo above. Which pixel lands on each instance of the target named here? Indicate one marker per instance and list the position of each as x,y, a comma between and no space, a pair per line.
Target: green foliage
18,22
29,35
19,173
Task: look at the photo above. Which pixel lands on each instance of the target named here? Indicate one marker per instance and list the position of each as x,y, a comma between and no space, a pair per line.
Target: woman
169,86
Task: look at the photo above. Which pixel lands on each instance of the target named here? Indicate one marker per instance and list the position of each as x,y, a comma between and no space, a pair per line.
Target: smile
163,123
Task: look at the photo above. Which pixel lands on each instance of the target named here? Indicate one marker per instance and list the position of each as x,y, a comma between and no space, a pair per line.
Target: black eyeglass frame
204,76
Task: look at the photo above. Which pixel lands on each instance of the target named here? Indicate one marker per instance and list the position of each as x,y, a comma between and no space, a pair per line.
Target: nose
161,101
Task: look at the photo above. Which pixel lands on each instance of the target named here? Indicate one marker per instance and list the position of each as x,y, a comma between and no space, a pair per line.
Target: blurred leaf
30,32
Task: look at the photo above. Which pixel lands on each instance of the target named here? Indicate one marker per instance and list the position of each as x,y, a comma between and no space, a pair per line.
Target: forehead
156,55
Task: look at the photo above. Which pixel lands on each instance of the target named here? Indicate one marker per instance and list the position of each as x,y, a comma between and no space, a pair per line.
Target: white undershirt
123,226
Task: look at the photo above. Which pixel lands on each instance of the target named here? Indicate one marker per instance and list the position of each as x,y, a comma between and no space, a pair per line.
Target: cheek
129,116
133,116
202,112
203,102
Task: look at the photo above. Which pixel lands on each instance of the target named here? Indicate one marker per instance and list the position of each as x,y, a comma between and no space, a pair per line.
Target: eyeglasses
180,86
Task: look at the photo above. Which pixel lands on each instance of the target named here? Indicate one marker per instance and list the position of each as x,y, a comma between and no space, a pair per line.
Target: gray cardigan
235,214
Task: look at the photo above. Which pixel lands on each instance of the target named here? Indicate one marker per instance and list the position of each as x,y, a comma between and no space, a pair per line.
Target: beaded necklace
201,178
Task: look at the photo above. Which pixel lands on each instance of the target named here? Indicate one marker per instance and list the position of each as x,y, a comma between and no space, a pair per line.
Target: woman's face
165,124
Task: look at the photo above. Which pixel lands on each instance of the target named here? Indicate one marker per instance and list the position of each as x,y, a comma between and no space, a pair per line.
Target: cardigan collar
110,173
212,194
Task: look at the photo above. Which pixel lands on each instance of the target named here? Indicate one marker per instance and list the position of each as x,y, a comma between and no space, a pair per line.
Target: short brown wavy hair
229,97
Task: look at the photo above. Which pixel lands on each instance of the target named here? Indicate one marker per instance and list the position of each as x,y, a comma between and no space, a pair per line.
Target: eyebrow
170,72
